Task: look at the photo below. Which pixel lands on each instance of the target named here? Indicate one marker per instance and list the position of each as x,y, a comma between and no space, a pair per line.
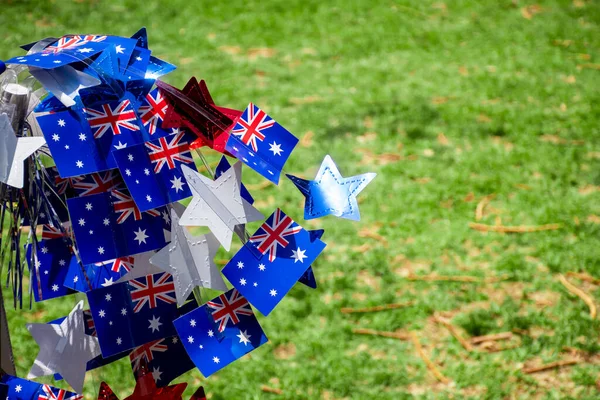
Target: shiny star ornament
190,260
145,389
330,193
13,152
64,348
218,204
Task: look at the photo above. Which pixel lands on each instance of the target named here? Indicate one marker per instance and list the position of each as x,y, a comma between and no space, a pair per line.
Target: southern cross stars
330,193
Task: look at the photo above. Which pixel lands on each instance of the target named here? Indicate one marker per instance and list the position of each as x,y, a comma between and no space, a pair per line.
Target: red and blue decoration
99,173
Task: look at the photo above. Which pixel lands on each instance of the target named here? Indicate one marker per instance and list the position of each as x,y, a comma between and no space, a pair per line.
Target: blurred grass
447,102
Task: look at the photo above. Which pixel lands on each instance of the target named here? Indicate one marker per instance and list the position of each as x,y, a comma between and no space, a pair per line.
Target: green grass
515,94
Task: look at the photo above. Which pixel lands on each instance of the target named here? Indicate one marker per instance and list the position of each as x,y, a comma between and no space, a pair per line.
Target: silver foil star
190,260
13,151
64,348
218,204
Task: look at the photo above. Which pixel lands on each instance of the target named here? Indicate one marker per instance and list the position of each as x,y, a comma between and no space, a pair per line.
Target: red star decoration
193,108
145,389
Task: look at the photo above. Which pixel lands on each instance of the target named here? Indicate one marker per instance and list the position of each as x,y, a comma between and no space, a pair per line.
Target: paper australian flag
152,171
274,259
152,112
66,50
131,313
166,359
72,144
98,182
220,332
261,143
93,276
22,389
50,266
109,226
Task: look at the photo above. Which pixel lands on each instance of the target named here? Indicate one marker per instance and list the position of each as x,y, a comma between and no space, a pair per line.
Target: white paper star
13,152
218,204
64,348
190,260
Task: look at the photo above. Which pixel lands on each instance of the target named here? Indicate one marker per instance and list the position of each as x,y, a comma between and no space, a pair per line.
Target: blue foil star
330,193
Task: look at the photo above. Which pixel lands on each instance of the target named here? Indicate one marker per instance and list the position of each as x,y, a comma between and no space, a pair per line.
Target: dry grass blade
259,186
430,365
383,307
481,206
371,332
491,338
579,293
456,278
513,229
556,364
268,389
454,331
584,277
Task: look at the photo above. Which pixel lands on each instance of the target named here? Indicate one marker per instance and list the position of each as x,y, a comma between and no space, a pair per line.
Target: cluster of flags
123,155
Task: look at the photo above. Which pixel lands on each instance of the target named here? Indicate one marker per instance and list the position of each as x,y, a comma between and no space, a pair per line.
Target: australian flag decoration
109,225
220,332
22,389
73,146
135,312
166,359
274,259
152,113
93,276
152,171
50,266
261,143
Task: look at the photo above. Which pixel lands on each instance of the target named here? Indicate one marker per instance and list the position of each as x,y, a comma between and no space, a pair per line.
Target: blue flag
98,182
93,276
152,171
229,313
274,259
72,144
261,143
50,266
131,313
166,359
109,226
22,389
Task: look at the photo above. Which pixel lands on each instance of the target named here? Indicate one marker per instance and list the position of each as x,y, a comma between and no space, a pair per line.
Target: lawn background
448,102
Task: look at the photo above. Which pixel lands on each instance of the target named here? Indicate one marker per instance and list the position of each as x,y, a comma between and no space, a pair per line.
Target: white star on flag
275,148
298,255
154,323
244,337
141,236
